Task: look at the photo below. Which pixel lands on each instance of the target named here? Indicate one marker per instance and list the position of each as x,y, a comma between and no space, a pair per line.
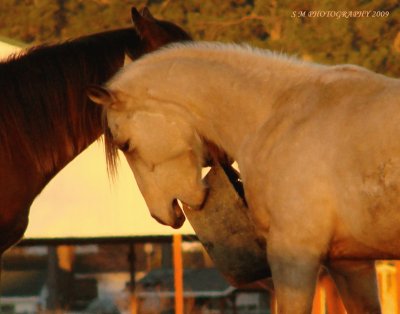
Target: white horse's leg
294,275
357,285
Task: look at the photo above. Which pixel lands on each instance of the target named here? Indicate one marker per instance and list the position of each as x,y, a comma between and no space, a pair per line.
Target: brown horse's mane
43,104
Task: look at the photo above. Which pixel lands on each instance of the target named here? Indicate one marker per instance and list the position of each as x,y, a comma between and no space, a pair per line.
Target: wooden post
380,283
387,287
178,273
273,304
334,304
397,263
65,275
318,302
132,283
66,256
52,280
166,256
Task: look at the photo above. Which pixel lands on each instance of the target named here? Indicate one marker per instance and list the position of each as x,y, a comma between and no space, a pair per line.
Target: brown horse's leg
357,285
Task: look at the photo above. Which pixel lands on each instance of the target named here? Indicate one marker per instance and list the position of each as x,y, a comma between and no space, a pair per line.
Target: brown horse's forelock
43,103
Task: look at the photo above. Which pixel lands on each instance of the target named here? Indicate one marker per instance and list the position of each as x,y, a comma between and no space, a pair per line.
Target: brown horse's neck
43,101
70,149
46,119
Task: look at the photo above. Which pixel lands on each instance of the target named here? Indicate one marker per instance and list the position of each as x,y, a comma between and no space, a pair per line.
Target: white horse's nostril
176,206
179,216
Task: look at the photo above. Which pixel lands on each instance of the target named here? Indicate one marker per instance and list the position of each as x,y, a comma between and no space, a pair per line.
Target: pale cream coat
317,146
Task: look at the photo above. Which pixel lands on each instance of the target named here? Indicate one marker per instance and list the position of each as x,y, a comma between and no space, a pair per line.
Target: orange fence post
178,273
318,302
334,304
397,263
388,289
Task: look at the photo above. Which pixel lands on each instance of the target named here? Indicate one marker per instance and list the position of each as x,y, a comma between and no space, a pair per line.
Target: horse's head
155,33
163,150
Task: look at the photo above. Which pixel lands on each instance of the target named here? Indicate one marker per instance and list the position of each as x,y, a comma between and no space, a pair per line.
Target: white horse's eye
124,147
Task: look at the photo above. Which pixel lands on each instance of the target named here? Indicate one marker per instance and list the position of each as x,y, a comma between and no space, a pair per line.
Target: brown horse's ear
136,16
100,95
155,33
145,12
141,22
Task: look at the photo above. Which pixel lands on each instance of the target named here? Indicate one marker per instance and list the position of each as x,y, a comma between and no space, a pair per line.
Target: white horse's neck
229,93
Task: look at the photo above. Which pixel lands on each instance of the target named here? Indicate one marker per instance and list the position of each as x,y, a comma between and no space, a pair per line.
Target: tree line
363,32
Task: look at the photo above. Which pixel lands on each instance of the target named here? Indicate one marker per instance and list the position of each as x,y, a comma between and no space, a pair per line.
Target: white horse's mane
245,54
233,47
257,62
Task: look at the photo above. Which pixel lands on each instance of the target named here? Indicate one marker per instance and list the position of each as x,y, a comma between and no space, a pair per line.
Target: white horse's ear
100,95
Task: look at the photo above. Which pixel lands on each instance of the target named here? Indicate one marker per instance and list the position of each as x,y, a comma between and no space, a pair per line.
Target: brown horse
45,117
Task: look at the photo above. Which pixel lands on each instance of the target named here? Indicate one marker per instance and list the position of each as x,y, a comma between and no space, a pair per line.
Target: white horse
318,149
